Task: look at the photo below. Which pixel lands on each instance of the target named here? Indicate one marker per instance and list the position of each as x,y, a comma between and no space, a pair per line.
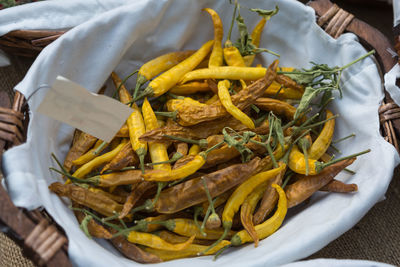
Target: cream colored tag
98,115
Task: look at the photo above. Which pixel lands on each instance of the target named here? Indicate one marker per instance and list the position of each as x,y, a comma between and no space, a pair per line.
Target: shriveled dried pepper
188,228
268,202
83,143
192,192
95,229
307,185
133,252
269,226
125,157
80,195
339,187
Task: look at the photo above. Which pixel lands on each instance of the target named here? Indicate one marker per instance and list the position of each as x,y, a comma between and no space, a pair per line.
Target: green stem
197,211
114,226
344,138
139,82
260,119
203,224
357,60
259,50
205,153
210,201
287,180
335,148
227,227
202,142
174,158
160,186
171,114
232,22
319,166
84,225
123,82
219,252
320,122
100,148
255,108
174,96
271,154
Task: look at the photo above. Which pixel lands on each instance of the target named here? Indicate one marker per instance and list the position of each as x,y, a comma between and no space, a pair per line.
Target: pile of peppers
215,152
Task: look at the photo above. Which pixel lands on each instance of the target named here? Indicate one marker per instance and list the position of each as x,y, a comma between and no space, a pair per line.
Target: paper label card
98,115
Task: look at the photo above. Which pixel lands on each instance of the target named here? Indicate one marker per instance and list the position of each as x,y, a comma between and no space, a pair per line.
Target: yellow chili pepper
124,95
323,141
158,151
226,101
256,37
216,54
187,227
239,195
136,129
178,173
247,210
194,150
154,241
233,57
88,156
225,72
152,68
213,99
171,77
268,227
135,123
297,162
191,251
190,88
276,90
88,167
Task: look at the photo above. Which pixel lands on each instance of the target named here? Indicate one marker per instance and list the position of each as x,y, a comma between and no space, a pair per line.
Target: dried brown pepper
307,185
98,202
192,192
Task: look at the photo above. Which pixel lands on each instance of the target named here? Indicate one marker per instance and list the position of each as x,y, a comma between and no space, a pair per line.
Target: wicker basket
41,239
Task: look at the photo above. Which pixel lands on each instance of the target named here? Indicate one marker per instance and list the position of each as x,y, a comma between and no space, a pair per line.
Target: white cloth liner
390,83
124,37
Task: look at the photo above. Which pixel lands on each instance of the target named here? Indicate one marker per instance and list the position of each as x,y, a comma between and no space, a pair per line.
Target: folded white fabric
52,15
124,37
